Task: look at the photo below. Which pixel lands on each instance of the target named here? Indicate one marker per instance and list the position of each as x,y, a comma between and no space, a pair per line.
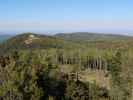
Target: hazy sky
112,16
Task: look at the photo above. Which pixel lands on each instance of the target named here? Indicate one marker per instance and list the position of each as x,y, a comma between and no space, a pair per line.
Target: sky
53,16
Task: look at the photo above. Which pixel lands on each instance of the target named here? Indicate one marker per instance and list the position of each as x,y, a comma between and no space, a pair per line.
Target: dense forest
77,66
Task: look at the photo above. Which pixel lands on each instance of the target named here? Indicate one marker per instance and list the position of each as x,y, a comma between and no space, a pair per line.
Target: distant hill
35,41
64,40
98,40
85,36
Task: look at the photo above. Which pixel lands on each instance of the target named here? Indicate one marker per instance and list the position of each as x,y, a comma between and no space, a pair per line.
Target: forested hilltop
79,66
98,40
85,36
35,41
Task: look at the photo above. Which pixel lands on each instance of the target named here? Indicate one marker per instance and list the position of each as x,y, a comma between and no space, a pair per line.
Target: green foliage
77,91
36,71
19,81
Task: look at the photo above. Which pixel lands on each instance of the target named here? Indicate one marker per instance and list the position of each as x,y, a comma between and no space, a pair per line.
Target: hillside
100,41
64,40
35,41
85,36
57,68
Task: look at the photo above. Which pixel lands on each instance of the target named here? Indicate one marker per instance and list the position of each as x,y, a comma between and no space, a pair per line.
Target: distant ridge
86,36
64,40
35,41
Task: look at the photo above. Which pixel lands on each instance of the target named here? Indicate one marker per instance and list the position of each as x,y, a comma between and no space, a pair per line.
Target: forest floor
99,77
96,76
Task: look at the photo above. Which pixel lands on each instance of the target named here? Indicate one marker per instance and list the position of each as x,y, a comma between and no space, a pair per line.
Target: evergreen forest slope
77,66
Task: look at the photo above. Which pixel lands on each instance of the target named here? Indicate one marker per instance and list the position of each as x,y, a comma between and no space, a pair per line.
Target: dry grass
93,76
99,77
